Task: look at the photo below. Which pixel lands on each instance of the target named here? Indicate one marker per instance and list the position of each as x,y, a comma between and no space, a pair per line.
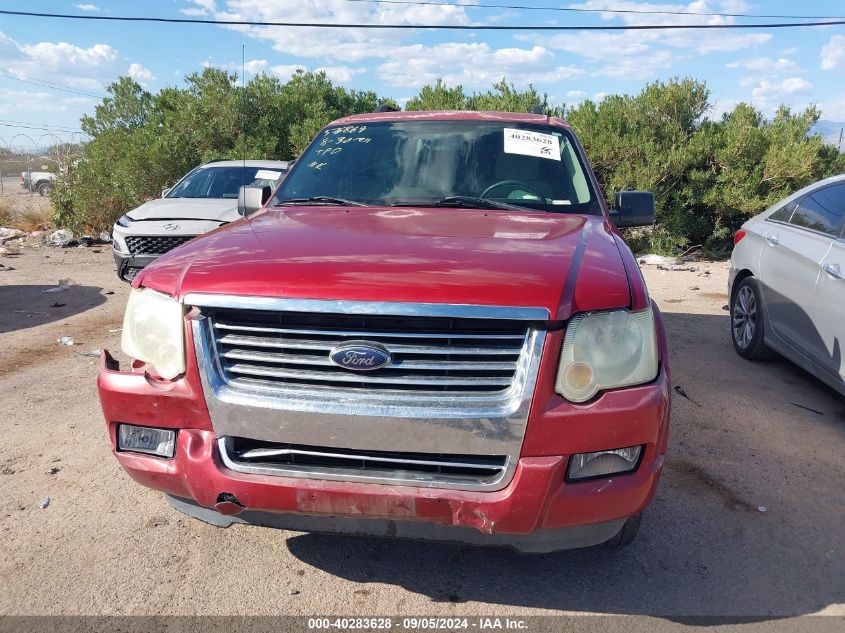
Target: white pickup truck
40,181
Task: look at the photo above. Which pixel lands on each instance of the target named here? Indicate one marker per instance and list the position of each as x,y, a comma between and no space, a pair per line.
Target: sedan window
784,213
822,211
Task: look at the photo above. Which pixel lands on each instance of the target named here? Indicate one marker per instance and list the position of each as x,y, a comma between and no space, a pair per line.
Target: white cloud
341,74
56,54
342,45
337,74
644,54
207,5
833,53
340,52
39,101
472,65
286,71
256,66
61,63
576,94
140,74
768,94
767,65
87,7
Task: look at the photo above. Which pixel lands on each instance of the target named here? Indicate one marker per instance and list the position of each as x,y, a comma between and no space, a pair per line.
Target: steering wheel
514,184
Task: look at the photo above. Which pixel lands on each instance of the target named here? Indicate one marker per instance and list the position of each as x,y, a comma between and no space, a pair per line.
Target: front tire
44,189
747,313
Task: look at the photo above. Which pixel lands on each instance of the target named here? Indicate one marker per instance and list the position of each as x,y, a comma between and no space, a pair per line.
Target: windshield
224,182
422,162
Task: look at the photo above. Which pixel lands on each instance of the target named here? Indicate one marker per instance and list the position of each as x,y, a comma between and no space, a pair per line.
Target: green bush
707,176
141,143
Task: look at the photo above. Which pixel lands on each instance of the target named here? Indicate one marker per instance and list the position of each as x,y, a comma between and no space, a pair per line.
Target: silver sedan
787,282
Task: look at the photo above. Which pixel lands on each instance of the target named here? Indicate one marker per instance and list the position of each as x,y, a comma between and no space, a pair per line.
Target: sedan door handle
774,240
834,271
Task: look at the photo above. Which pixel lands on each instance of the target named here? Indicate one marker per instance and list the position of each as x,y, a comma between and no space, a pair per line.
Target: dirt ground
748,519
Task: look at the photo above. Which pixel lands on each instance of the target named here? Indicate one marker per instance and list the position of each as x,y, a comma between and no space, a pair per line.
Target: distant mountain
830,131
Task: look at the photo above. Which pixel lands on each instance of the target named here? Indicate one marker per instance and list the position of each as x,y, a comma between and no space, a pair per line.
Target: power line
523,7
429,27
47,84
40,126
40,129
28,60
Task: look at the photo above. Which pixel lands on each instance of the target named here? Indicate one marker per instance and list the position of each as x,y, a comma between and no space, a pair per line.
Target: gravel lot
748,520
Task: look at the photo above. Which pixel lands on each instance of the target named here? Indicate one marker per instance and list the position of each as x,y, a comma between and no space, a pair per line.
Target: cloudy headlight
124,221
606,350
153,331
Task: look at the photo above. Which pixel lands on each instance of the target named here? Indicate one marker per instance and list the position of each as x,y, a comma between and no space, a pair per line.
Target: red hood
564,263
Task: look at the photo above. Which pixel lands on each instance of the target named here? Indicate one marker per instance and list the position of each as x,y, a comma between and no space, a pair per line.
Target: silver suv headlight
153,331
606,350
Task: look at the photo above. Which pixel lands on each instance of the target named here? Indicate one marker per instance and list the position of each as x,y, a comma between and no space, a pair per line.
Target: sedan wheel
744,317
747,321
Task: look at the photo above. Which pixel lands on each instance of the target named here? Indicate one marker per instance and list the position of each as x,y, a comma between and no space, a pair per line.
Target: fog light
142,439
604,463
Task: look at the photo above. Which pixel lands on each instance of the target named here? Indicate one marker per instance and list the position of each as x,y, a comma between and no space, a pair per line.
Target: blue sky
764,67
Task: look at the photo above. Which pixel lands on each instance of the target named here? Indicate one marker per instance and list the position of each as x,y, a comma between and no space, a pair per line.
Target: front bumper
537,511
129,265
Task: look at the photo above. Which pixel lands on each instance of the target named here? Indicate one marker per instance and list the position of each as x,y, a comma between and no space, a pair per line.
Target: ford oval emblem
360,356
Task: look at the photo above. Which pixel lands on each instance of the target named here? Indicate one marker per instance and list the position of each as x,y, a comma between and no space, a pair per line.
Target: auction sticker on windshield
530,143
267,174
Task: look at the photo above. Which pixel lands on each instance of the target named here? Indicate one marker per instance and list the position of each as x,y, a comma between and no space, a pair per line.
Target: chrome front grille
256,457
429,354
450,412
154,244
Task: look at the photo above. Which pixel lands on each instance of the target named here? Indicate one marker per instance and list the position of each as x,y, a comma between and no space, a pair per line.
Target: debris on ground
58,305
692,253
726,308
94,353
4,267
117,330
53,470
660,260
676,269
64,284
105,238
65,340
761,508
7,471
62,237
7,234
44,503
10,248
680,391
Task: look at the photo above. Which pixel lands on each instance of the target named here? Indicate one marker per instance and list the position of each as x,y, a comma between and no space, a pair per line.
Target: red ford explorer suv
432,329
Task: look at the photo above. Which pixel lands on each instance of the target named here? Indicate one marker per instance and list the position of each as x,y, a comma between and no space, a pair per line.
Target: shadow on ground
26,306
708,546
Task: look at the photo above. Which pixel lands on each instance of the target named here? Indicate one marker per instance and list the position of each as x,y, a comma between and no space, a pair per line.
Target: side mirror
252,198
633,208
165,191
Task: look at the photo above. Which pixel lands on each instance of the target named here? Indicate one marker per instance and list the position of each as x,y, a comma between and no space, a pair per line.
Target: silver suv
207,197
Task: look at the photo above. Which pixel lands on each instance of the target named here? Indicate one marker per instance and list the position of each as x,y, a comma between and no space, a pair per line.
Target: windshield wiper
468,202
321,200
